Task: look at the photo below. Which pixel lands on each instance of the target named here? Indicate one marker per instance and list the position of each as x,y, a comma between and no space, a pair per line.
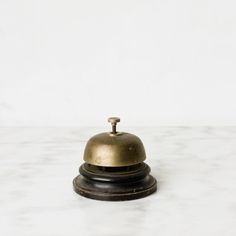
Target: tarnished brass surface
122,149
114,149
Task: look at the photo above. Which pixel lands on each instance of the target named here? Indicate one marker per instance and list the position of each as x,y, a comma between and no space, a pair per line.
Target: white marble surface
195,169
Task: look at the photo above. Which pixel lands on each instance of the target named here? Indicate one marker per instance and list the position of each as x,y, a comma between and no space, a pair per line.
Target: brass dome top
114,149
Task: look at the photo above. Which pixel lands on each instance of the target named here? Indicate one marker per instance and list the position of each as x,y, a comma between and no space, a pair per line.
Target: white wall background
150,62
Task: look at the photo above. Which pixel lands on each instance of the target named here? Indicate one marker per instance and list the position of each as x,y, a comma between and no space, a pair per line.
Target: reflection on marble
195,168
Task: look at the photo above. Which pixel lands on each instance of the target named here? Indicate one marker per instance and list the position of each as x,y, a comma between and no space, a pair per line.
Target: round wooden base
114,183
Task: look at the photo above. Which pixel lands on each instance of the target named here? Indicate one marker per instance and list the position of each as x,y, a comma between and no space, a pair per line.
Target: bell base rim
108,191
99,194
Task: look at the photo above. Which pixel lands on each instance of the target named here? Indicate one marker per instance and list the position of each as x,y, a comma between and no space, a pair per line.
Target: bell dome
114,150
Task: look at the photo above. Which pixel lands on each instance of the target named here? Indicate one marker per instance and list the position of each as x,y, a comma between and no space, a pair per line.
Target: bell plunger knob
113,121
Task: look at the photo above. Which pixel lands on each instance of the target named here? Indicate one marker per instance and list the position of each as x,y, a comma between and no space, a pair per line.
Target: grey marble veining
195,168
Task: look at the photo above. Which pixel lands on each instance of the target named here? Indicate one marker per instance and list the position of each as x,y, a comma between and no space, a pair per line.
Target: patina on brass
114,169
114,148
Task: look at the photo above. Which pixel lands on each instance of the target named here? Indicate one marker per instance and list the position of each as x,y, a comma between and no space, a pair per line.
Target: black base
114,183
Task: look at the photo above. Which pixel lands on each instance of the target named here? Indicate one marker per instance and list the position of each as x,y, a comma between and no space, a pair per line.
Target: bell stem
114,128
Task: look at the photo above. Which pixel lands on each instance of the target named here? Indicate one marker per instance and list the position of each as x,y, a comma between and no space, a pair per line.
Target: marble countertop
195,168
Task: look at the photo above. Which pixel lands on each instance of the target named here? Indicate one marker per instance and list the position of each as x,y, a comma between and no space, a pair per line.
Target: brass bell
114,168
